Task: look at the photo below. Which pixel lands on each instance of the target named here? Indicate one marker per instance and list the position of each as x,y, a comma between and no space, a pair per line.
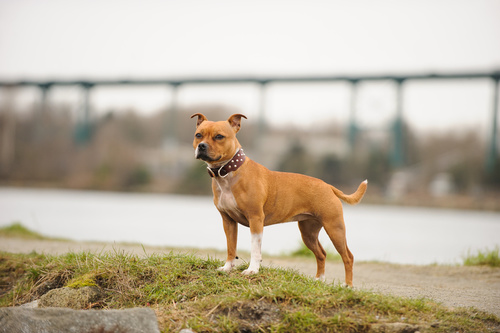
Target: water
384,233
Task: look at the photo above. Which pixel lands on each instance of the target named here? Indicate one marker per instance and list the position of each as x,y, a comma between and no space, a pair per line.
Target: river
404,235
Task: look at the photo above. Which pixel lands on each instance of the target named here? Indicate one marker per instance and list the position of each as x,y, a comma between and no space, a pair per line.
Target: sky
75,39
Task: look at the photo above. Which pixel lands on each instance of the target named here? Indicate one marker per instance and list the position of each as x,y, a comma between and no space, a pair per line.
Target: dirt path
478,287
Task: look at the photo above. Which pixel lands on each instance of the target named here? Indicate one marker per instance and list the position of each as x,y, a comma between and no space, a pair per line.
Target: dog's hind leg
335,228
309,230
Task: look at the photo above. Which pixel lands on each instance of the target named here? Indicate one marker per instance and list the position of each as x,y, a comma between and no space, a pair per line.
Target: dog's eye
219,137
198,135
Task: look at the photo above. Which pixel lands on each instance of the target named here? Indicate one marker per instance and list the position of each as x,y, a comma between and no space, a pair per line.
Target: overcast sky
137,39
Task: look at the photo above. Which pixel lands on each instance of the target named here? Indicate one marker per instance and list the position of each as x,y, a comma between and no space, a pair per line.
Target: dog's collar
232,165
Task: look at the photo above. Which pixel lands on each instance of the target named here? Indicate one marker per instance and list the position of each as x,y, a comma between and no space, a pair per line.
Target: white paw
250,271
321,278
228,266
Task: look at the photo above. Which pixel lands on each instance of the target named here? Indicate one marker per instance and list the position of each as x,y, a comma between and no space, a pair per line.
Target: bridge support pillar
492,157
83,131
397,155
353,128
44,101
261,122
171,119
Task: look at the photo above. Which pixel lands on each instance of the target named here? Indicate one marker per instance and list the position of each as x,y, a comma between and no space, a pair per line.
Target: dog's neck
231,165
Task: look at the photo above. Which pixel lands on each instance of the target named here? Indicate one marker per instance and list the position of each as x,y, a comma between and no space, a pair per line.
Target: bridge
397,155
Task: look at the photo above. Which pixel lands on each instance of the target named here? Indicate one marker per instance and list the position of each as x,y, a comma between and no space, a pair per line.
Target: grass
19,231
188,291
483,258
303,252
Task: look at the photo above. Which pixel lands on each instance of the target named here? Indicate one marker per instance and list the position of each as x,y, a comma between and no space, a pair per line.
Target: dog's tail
354,198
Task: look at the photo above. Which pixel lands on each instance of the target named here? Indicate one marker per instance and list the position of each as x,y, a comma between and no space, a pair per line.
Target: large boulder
79,298
57,320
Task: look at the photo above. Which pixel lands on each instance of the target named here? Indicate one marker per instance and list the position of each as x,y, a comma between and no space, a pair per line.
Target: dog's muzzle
201,153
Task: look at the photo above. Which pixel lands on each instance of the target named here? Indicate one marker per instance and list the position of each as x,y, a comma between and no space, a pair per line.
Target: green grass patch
188,291
303,252
19,231
483,258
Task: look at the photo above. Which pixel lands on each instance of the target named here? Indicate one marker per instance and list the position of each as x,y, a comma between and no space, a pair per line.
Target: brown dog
246,192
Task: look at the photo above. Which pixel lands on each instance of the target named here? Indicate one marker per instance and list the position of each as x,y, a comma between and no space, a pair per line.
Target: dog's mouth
202,155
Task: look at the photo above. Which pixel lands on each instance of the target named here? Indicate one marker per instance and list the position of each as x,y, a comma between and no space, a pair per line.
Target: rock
30,305
80,298
56,320
394,328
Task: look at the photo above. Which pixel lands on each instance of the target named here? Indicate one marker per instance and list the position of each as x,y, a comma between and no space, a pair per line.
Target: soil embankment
454,286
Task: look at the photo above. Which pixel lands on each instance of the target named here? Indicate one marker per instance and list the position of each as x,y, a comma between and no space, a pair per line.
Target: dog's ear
201,118
235,121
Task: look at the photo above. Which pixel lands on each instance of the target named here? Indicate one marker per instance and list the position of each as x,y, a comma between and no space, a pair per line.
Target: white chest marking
227,202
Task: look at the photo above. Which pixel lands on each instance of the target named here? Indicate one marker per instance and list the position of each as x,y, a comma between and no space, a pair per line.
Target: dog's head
215,142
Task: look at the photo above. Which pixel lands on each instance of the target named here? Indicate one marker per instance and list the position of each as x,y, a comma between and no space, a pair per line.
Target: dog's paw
320,278
249,271
228,266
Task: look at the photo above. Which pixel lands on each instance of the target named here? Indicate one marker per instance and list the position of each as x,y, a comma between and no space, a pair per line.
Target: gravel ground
454,286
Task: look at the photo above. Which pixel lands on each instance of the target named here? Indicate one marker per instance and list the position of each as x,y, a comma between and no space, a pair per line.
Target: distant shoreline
484,202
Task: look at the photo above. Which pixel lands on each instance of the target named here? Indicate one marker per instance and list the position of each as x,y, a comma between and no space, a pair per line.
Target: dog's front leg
231,231
256,230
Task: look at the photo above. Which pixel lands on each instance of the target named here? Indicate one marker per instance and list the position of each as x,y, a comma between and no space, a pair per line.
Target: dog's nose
202,146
